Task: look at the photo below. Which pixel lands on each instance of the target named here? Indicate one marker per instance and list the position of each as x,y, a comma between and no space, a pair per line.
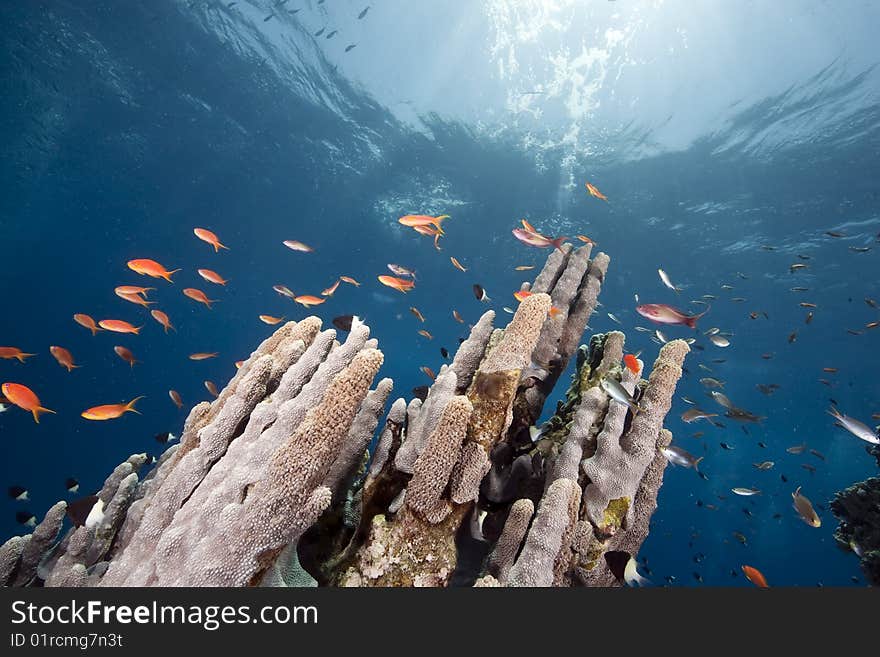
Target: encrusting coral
274,483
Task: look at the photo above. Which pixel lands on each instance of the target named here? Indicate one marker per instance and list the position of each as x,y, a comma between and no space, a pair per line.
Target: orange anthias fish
163,319
349,280
330,290
201,355
430,230
425,334
586,240
212,388
457,264
536,239
524,268
111,411
632,363
400,284
86,322
595,192
119,326
14,352
133,289
175,397
457,317
271,321
298,246
755,577
415,311
126,355
24,398
64,357
212,277
133,298
428,372
308,300
147,267
197,295
423,220
238,364
207,236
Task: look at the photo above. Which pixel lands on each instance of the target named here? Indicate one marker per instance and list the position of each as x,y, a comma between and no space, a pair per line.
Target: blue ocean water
718,131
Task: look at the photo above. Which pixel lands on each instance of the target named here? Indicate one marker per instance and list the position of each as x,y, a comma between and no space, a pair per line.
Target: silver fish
713,331
679,456
745,492
618,393
719,341
614,319
764,465
662,338
668,283
855,427
508,310
722,399
709,382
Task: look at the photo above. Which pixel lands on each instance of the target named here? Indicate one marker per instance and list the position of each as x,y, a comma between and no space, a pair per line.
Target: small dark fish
784,479
78,510
18,493
852,332
350,48
726,446
767,388
25,518
343,322
332,34
363,13
809,318
231,5
269,17
319,32
443,352
800,289
809,468
767,356
792,337
860,249
762,445
834,233
480,293
698,577
777,516
795,267
71,484
704,477
747,512
165,438
871,302
421,392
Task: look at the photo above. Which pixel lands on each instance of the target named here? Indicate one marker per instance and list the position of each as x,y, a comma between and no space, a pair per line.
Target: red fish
63,356
309,300
755,577
212,277
24,398
660,313
87,322
632,363
536,239
111,411
126,355
163,319
119,326
595,192
400,284
207,236
147,267
423,220
14,352
197,295
175,397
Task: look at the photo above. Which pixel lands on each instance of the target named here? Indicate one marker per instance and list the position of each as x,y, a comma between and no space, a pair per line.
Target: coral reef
274,483
858,510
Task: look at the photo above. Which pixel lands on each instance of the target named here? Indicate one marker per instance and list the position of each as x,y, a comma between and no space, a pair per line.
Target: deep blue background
97,172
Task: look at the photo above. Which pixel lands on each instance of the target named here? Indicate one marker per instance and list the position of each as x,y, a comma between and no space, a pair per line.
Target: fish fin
219,246
21,357
697,463
137,330
41,409
167,275
558,242
130,405
692,321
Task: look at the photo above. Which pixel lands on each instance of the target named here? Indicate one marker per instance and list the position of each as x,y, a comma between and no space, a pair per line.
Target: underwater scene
449,293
